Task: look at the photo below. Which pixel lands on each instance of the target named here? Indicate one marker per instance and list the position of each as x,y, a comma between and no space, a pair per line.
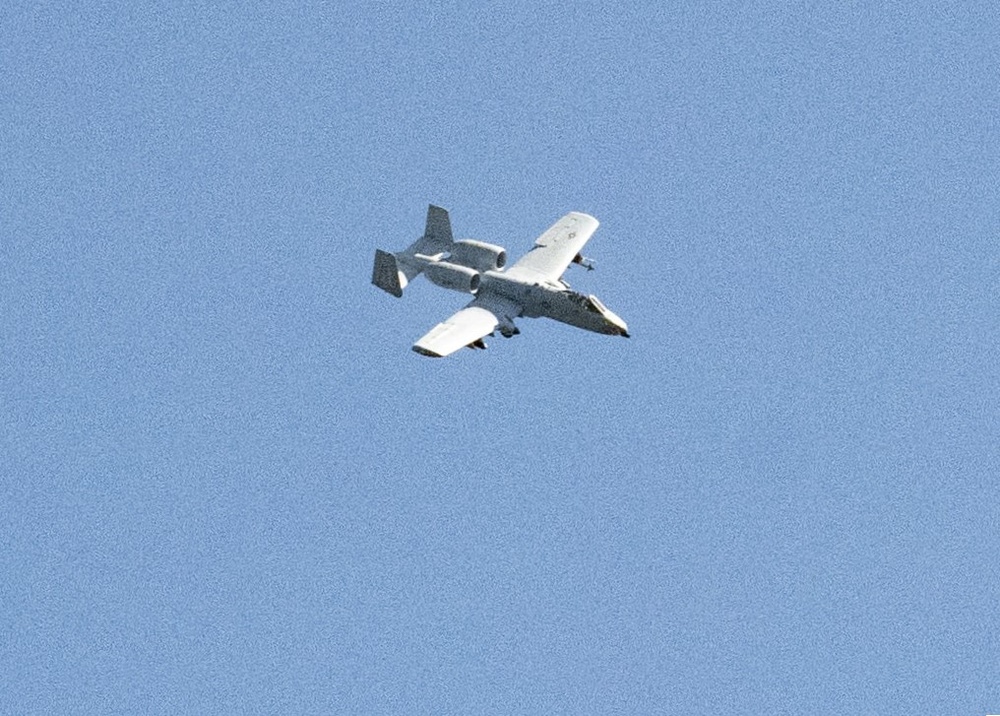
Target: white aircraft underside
532,287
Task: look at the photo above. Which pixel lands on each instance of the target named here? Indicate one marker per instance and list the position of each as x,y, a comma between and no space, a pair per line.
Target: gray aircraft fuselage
555,300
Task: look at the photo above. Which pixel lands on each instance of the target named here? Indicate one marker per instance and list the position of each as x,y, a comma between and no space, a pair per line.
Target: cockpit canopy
591,303
596,304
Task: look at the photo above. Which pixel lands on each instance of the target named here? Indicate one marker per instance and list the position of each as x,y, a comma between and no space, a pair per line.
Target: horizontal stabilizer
386,274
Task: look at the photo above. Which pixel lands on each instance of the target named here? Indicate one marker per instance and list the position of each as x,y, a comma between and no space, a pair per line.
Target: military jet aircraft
531,287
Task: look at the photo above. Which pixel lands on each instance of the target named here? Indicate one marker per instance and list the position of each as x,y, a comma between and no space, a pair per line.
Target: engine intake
478,255
452,276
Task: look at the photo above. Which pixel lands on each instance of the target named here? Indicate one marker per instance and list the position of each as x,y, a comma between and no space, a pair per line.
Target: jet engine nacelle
478,255
452,276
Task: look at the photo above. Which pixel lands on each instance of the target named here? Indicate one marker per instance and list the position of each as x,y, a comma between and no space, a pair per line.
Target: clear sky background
227,485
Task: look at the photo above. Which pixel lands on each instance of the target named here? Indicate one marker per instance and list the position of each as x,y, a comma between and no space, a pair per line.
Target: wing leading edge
556,248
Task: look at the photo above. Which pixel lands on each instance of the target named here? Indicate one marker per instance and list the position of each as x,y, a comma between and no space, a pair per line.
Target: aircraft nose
620,326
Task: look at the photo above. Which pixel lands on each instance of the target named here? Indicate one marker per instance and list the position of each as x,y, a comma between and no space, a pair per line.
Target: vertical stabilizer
437,234
386,274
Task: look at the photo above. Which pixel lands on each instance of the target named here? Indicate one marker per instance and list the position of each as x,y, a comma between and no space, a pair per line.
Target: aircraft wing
555,249
477,320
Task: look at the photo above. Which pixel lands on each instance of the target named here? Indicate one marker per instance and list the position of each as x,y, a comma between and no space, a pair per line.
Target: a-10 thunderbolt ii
531,287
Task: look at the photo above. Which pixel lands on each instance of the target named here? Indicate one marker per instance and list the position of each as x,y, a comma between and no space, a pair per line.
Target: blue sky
228,486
